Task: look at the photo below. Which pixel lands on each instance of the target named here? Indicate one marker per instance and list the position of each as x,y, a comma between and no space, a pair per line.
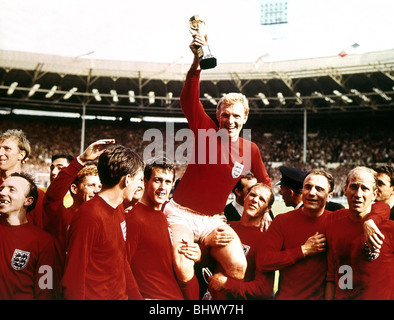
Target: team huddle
129,235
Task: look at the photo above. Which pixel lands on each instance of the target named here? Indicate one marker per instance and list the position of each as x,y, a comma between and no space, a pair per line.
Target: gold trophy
205,54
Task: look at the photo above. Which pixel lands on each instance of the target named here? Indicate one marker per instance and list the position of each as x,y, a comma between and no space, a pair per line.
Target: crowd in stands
335,148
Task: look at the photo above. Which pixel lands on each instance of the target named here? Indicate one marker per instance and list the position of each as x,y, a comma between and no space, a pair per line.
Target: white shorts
200,225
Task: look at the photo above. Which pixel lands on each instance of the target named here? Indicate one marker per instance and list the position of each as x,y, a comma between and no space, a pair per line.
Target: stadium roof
354,83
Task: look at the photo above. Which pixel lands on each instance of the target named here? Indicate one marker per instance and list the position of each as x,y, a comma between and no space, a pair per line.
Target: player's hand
218,238
94,150
190,250
314,244
217,282
373,236
198,41
265,221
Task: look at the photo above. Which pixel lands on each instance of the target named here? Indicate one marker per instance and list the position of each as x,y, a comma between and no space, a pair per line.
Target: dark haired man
83,182
59,161
148,239
385,187
233,210
26,262
96,264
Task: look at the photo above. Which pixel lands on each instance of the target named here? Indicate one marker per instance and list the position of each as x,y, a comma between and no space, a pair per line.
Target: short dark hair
33,190
247,176
323,173
387,169
117,162
66,156
162,163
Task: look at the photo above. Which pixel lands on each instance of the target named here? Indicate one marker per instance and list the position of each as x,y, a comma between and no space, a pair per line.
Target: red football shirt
24,249
150,253
214,167
96,264
370,279
256,283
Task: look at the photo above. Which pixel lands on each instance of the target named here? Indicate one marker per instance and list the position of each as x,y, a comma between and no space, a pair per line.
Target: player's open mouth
4,201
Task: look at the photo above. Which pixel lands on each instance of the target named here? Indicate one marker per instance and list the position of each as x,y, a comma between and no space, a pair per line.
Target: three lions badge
20,259
237,169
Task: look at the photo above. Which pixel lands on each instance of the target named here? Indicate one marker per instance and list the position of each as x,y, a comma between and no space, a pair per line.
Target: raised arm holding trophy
206,56
195,213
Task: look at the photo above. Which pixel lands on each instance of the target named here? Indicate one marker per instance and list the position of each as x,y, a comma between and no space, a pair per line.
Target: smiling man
219,159
148,241
14,153
295,243
27,252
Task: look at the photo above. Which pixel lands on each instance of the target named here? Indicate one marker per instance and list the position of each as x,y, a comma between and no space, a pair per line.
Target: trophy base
206,57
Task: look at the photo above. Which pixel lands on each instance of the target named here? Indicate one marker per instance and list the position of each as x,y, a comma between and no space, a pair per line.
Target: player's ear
28,201
73,188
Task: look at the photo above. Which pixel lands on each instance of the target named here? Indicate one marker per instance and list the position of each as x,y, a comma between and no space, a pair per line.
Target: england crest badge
20,259
237,169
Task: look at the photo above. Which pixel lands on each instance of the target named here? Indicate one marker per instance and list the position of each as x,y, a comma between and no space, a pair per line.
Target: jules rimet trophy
205,53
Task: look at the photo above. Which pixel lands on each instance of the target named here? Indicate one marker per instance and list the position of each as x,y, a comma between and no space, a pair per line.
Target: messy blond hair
20,138
232,98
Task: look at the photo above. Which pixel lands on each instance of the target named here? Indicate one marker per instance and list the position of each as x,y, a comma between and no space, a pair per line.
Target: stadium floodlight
151,97
33,90
342,96
70,93
263,98
169,97
281,98
114,95
135,119
96,94
320,95
42,113
131,96
298,98
360,95
51,92
12,88
210,99
164,119
382,94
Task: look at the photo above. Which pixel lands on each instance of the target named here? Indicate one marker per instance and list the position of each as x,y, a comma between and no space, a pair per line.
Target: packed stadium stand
333,112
